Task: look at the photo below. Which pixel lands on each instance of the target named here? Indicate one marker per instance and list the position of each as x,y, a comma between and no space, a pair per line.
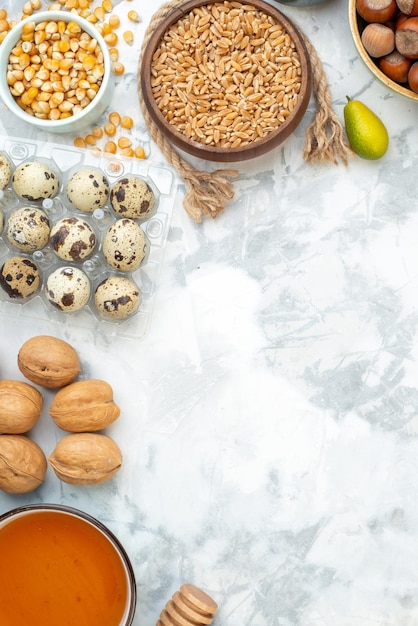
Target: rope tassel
209,192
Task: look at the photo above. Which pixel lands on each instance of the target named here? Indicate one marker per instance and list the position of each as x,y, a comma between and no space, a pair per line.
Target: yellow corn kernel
27,9
29,95
114,54
127,152
140,152
114,21
96,151
128,37
35,4
118,68
111,39
124,142
65,114
126,122
79,142
106,28
63,45
54,114
89,62
4,26
110,147
28,28
71,4
99,13
73,28
84,13
133,16
3,14
114,118
84,4
97,132
109,129
107,6
90,140
91,18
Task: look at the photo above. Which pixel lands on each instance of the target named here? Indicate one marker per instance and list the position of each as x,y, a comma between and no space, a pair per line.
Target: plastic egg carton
65,161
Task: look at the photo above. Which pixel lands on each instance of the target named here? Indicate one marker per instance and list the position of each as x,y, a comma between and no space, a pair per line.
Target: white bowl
92,111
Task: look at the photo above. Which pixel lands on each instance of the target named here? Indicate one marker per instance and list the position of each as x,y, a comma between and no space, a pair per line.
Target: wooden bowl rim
367,60
215,153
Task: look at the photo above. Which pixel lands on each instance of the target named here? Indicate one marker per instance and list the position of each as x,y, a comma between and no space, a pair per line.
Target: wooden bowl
218,90
357,25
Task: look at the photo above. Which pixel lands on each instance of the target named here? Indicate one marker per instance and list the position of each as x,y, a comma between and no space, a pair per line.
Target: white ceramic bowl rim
30,508
9,42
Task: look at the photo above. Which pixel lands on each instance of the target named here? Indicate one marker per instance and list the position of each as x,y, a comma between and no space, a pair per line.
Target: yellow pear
366,132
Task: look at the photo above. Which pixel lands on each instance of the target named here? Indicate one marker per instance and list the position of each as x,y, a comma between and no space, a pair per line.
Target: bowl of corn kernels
55,71
225,80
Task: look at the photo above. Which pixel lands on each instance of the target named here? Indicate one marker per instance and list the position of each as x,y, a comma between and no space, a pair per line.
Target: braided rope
208,192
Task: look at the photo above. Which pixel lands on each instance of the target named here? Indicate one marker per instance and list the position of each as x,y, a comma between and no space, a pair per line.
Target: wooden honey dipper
190,606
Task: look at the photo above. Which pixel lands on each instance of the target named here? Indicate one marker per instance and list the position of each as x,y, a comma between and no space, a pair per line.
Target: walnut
48,361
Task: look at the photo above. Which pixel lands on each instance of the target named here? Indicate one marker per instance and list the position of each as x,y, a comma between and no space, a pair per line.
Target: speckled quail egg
68,289
132,197
5,170
20,277
87,190
72,239
117,297
125,245
34,181
28,229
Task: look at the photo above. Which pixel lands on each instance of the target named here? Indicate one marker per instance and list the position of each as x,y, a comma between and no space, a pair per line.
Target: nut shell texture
48,361
20,406
23,464
85,459
86,405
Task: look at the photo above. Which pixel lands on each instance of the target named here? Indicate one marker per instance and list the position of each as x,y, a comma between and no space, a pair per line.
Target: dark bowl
218,83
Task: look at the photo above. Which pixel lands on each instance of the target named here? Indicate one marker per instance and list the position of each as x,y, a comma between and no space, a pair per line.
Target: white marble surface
270,416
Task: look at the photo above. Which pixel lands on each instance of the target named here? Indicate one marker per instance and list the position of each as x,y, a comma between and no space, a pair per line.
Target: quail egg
68,289
20,277
28,229
34,181
5,170
132,197
87,190
117,297
72,239
125,245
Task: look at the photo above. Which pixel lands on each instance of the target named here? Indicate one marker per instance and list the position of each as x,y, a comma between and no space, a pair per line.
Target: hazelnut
377,10
378,39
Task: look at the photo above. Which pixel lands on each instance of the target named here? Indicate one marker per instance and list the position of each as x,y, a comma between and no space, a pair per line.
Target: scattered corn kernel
97,132
99,12
96,151
107,5
126,122
110,147
27,9
90,140
114,54
114,21
4,26
118,68
124,142
114,118
127,152
133,16
128,37
109,129
3,14
140,152
111,39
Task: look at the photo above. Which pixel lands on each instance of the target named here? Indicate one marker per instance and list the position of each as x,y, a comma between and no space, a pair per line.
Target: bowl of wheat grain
225,81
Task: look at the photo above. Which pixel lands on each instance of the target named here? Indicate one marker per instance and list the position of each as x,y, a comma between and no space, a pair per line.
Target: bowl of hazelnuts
385,33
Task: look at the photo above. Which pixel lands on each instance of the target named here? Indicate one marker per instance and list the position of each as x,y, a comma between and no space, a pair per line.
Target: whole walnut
85,458
48,361
84,406
20,406
23,464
